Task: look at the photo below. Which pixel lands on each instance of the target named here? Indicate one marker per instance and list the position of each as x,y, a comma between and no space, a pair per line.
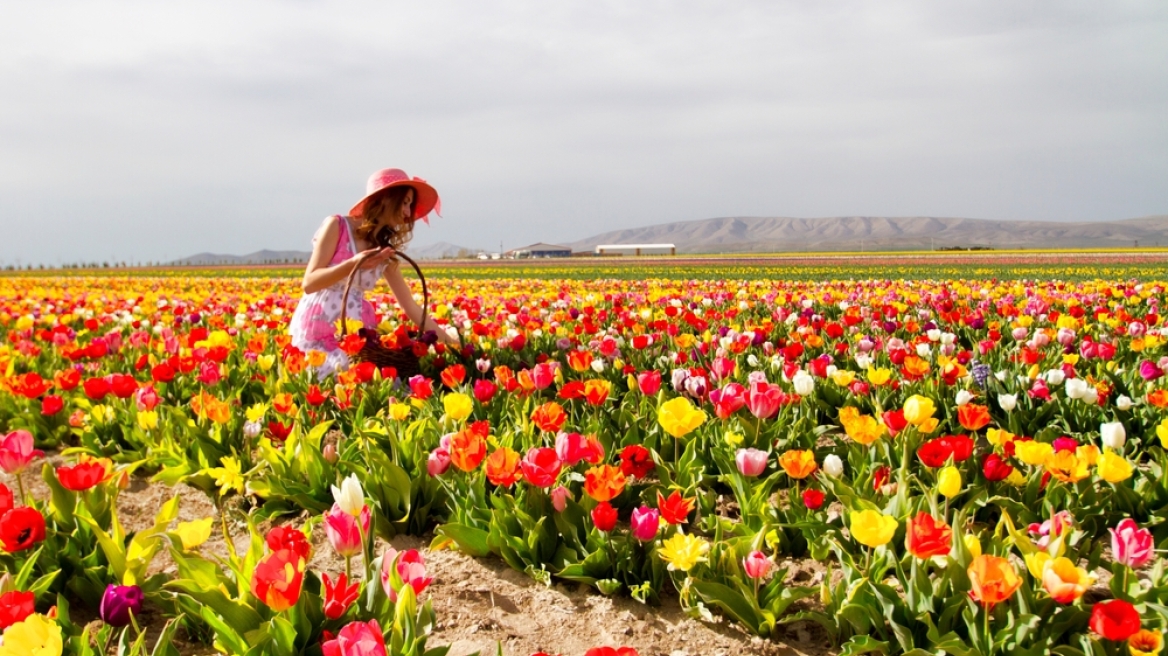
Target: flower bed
977,465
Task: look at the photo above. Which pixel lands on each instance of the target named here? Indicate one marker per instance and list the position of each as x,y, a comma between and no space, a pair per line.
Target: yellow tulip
918,409
679,417
1162,433
1033,453
949,482
148,419
194,533
1036,563
872,527
683,551
399,411
1114,468
458,406
36,635
972,544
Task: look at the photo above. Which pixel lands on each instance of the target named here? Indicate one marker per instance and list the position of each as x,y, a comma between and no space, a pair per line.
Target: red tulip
96,388
83,475
51,405
162,373
813,498
339,595
604,516
16,606
7,501
291,539
637,461
21,528
484,390
122,386
277,579
611,651
649,382
995,467
675,509
453,375
1115,619
926,537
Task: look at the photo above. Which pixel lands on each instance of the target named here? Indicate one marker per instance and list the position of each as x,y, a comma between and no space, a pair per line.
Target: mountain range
841,233
856,233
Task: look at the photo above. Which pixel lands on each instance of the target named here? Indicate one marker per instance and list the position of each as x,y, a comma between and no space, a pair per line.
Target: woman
393,202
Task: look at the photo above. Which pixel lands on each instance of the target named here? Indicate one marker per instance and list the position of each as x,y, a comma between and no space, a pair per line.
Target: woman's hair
384,209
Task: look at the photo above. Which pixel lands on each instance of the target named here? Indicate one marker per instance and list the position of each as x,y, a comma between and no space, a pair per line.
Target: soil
481,604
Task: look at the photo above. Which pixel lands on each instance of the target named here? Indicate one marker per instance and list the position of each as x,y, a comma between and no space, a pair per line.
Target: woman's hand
374,257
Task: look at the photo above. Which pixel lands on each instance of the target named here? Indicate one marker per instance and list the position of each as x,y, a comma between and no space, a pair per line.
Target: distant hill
438,251
258,257
854,233
432,252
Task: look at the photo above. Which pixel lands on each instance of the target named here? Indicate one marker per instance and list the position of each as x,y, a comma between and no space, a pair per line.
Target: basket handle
349,283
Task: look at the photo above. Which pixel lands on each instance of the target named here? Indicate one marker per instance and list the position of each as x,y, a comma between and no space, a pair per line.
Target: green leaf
862,644
224,633
737,606
471,541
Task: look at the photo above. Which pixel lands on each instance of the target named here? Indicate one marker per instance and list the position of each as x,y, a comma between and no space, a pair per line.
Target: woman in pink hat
392,201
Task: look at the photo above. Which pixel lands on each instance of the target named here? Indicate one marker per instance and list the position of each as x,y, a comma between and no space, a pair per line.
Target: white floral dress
314,325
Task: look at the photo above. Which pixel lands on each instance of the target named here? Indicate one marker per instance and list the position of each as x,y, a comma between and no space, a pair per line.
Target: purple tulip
751,462
120,602
645,523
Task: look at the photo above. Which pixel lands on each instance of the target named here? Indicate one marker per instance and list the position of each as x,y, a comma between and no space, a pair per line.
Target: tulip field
970,456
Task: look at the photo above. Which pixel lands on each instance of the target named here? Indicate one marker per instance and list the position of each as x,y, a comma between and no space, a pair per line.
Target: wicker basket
402,359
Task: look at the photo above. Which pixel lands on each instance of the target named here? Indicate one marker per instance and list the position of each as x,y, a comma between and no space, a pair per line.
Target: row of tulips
657,434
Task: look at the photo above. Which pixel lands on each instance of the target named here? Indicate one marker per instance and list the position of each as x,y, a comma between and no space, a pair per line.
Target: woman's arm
405,299
318,274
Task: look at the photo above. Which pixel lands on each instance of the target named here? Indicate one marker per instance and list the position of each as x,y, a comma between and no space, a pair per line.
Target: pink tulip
722,368
438,462
146,398
1131,545
757,565
357,638
751,462
763,400
649,382
411,569
1149,370
728,400
560,497
16,451
645,523
571,448
543,375
343,531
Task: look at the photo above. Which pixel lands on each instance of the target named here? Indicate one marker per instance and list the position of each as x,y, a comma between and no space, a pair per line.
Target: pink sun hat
425,197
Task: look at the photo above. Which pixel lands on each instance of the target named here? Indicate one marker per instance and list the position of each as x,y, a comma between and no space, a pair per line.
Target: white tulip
833,466
1091,397
1055,376
1001,375
964,396
863,361
804,383
752,360
933,335
598,365
1008,401
1113,435
924,350
1076,388
1123,402
350,497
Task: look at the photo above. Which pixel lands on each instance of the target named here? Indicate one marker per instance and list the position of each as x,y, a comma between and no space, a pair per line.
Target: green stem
349,568
988,636
20,486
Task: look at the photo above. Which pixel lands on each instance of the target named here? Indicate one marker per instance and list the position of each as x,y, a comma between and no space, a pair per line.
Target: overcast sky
154,130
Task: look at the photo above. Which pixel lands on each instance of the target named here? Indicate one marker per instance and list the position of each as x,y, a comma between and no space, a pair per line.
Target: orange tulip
1158,398
914,368
596,391
973,416
468,447
604,483
503,467
579,360
1065,582
549,417
798,464
992,580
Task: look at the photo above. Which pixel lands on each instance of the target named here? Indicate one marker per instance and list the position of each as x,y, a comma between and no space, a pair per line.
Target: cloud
143,130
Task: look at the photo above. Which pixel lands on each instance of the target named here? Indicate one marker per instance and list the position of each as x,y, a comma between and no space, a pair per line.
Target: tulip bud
644,523
804,383
833,466
329,452
120,602
438,462
560,497
964,396
1008,401
949,482
972,544
757,565
1122,402
1113,435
